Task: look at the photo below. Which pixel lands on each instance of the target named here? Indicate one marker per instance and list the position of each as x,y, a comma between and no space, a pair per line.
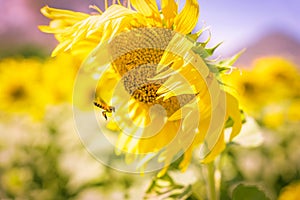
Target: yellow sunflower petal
218,148
155,143
163,171
186,159
67,17
112,125
108,80
183,111
86,28
169,9
234,113
187,19
146,7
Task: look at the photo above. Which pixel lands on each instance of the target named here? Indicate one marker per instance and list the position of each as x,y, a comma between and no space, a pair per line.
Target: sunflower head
269,90
29,85
166,100
20,80
151,78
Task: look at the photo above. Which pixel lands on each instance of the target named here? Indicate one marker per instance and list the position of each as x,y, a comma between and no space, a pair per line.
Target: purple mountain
272,44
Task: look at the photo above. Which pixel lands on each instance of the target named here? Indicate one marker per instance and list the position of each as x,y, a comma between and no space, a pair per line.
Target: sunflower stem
211,181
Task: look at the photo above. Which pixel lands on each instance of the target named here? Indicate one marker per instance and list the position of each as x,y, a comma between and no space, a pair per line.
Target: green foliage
37,173
243,192
166,188
26,51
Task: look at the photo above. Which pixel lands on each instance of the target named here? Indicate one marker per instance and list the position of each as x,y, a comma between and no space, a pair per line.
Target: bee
101,104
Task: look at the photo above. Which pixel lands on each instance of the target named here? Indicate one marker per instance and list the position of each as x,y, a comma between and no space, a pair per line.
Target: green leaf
248,192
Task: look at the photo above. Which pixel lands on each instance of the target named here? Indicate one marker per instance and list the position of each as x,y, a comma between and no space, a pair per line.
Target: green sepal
227,63
200,51
195,36
212,50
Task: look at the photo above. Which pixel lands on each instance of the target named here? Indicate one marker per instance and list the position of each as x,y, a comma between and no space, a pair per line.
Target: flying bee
101,104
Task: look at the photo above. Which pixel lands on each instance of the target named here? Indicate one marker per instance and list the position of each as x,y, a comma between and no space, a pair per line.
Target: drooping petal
146,7
218,148
234,113
187,19
169,9
91,28
63,18
160,140
216,128
107,80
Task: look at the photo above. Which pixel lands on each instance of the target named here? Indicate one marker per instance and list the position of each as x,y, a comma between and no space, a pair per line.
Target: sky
239,23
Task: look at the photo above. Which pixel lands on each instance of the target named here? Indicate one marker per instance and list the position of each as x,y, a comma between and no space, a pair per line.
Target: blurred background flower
290,192
29,85
269,90
41,156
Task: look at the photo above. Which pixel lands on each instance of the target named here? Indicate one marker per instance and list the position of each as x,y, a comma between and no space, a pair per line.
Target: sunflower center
138,58
17,93
137,84
249,87
136,68
135,56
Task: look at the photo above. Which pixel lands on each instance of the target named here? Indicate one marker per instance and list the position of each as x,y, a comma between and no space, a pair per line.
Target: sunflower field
136,99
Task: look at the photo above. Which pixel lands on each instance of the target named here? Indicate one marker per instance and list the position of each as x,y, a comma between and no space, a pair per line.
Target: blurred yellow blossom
185,86
249,90
269,91
280,76
293,111
290,192
29,85
21,87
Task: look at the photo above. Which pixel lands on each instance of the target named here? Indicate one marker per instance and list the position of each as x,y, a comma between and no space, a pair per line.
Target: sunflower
166,93
248,86
290,192
273,83
29,85
21,90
